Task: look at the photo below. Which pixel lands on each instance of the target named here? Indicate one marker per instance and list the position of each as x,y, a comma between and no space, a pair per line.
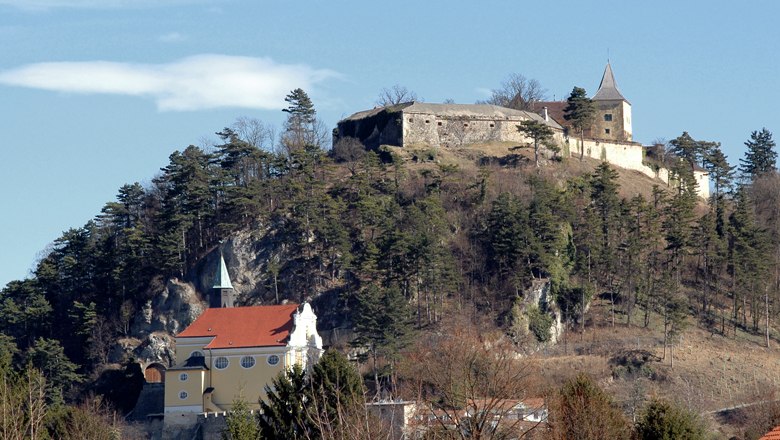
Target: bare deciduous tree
254,132
517,92
395,95
469,383
350,151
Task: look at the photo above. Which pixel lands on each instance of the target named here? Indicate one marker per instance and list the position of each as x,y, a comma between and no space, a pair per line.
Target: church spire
608,90
222,291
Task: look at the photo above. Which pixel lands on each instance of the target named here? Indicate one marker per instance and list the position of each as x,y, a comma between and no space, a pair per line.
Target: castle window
465,124
182,395
247,361
439,123
606,131
196,353
273,359
608,117
427,121
221,363
411,120
492,125
183,377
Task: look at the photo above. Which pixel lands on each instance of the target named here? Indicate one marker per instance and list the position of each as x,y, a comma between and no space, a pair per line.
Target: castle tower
613,111
222,291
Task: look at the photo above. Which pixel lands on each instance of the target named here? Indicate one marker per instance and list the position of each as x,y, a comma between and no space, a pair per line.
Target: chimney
546,115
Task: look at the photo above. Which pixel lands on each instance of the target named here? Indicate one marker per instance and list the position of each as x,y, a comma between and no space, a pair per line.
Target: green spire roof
608,90
222,278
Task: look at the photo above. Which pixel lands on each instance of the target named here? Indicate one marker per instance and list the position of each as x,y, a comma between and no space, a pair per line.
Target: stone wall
630,156
427,129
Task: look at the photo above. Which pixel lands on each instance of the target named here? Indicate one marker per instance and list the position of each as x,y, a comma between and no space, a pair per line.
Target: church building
233,352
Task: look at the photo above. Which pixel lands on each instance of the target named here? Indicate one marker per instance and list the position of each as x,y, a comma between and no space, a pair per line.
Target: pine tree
539,132
283,413
335,392
582,410
761,156
664,421
580,111
301,128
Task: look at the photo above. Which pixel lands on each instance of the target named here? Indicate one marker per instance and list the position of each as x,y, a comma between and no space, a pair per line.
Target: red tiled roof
233,327
772,435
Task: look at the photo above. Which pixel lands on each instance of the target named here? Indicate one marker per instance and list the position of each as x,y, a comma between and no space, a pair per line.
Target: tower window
608,117
606,131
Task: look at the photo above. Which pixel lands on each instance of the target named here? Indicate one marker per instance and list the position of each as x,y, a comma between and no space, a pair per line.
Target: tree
239,422
692,151
49,358
539,132
335,394
302,126
664,421
517,92
761,157
582,410
580,111
283,413
395,95
466,377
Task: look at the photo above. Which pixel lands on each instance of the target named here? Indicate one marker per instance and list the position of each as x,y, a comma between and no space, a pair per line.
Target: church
232,352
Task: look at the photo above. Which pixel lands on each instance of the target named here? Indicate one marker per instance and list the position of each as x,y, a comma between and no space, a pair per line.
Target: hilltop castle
414,124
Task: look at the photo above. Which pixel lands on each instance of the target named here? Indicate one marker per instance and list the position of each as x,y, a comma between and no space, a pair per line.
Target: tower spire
608,90
222,290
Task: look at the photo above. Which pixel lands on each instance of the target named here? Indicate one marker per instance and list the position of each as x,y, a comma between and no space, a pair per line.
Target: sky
98,93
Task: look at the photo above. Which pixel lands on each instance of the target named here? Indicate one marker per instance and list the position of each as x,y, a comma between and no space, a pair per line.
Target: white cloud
193,83
172,37
36,5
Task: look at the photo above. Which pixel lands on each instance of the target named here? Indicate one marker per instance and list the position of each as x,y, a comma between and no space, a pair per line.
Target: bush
665,421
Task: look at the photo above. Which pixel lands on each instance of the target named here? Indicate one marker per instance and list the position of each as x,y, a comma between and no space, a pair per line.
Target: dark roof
608,90
234,327
192,363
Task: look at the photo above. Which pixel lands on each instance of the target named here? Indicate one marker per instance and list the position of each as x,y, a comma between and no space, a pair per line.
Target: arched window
196,353
182,395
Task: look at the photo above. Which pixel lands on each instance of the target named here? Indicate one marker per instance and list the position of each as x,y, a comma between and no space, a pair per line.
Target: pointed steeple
222,278
222,291
608,90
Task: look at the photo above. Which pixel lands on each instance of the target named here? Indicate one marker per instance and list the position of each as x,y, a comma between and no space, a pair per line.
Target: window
221,363
273,359
411,120
492,125
608,117
196,353
439,123
183,377
182,395
427,121
606,131
247,361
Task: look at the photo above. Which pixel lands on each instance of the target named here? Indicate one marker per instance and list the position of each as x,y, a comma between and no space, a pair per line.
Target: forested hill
397,240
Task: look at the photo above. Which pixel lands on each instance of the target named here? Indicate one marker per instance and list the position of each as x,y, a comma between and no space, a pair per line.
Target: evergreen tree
582,410
301,128
283,413
761,156
539,132
664,421
335,392
580,111
239,423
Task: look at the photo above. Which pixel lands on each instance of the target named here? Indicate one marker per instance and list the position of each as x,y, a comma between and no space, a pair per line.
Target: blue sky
98,93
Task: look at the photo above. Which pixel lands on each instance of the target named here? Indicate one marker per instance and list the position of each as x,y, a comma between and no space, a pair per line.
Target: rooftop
236,327
608,90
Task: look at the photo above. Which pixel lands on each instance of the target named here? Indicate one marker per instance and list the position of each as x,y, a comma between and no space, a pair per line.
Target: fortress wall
630,156
434,130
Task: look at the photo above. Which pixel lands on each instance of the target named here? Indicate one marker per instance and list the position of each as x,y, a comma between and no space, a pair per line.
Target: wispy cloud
193,83
172,37
35,5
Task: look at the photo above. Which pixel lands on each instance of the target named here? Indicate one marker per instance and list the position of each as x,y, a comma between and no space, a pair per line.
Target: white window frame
251,358
273,356
183,377
183,395
216,362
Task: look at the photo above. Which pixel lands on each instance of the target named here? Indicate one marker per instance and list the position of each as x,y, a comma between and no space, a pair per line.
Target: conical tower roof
608,90
222,278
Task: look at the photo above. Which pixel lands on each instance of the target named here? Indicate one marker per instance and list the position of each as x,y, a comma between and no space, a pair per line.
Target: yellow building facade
234,352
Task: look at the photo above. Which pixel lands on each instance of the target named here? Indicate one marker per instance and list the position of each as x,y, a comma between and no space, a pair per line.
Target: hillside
411,238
